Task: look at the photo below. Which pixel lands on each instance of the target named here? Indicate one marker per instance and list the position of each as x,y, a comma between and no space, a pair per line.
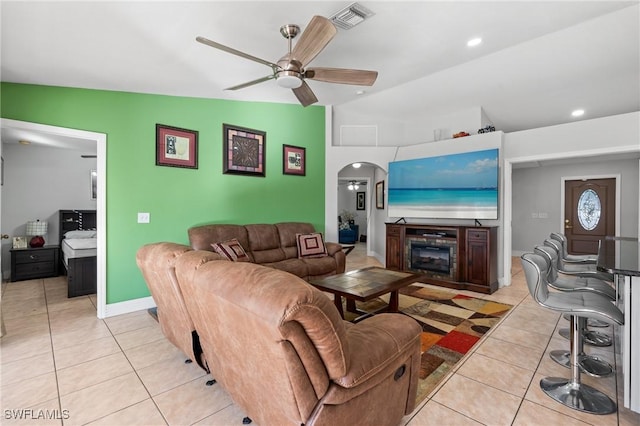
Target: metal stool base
589,364
578,396
591,322
590,337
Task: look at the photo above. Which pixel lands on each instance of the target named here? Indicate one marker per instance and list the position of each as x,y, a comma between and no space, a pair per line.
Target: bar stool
561,249
593,338
571,392
581,269
590,364
572,258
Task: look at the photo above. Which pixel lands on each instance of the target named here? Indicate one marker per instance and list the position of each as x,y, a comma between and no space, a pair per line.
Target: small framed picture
360,201
19,242
244,151
293,160
380,195
176,147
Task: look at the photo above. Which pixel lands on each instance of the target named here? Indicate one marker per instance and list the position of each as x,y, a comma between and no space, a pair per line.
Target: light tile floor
59,360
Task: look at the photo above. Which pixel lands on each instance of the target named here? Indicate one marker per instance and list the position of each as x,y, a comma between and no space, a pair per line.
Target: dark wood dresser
29,263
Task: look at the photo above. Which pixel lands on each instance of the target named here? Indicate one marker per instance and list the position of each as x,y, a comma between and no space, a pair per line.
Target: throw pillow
232,250
310,245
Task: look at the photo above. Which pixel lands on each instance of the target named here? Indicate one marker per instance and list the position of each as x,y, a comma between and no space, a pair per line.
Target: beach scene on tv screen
452,186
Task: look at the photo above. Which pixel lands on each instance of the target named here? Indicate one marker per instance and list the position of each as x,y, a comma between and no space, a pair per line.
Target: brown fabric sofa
274,246
280,349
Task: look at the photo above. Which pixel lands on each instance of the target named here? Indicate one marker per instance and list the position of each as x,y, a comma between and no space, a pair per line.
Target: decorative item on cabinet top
487,129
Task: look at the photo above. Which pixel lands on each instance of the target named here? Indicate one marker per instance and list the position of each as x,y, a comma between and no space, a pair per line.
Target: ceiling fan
354,184
290,71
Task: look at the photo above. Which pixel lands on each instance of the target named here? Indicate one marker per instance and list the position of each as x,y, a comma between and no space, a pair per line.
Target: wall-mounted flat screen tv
452,186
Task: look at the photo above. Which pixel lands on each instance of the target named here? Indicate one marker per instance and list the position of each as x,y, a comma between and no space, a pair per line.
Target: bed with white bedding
79,259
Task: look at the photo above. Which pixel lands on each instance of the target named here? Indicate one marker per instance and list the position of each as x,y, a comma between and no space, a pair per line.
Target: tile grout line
53,354
137,375
462,362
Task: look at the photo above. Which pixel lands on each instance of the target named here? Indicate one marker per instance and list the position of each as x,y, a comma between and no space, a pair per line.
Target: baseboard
113,309
378,257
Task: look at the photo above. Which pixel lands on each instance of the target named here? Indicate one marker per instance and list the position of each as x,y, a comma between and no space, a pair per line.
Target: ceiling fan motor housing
289,73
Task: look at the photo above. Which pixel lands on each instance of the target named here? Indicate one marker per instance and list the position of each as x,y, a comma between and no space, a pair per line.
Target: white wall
39,181
615,134
539,190
618,133
352,128
591,139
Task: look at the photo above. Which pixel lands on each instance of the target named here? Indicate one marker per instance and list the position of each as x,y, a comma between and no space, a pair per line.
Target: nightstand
29,263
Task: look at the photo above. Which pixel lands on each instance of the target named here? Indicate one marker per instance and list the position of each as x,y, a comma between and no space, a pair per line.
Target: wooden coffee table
363,285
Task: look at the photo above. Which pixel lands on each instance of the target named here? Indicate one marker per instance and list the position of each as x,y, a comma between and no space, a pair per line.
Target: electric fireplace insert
430,258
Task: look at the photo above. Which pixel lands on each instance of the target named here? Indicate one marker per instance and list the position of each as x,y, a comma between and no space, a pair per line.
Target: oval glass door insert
589,209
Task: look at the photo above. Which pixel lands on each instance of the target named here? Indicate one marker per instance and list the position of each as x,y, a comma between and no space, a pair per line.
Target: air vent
351,16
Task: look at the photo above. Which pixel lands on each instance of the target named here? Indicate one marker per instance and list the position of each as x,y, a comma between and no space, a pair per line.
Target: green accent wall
178,198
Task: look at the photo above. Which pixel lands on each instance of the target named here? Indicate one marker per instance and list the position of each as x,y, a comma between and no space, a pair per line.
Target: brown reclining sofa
280,349
274,246
278,345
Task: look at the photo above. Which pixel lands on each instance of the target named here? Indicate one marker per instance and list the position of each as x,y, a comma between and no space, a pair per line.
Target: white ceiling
538,60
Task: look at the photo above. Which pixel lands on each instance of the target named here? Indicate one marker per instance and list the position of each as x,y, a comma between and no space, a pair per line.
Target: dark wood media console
461,257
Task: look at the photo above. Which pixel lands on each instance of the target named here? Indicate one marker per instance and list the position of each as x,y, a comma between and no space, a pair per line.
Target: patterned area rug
451,325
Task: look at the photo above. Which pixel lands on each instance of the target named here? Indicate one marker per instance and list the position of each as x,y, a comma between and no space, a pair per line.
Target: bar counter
621,257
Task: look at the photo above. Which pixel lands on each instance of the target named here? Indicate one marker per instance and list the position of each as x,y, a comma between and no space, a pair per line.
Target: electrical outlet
144,217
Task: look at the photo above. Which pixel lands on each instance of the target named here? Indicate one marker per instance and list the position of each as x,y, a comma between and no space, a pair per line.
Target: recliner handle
400,372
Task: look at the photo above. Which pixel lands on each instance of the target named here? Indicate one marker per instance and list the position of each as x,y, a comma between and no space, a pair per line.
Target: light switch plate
144,217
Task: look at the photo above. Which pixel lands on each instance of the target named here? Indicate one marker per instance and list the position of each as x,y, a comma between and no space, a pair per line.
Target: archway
356,195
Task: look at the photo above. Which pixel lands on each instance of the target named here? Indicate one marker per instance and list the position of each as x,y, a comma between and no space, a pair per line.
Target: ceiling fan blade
342,76
315,37
251,83
305,95
235,52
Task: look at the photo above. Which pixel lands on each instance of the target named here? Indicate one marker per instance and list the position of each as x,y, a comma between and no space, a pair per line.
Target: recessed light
356,165
360,92
474,42
577,113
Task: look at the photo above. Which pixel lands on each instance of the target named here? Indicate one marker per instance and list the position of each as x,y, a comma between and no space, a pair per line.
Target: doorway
100,139
589,213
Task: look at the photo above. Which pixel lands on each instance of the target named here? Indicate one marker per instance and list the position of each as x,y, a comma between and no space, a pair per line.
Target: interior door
589,213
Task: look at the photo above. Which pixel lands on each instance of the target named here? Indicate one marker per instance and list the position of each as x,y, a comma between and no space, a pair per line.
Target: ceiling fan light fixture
289,79
474,42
